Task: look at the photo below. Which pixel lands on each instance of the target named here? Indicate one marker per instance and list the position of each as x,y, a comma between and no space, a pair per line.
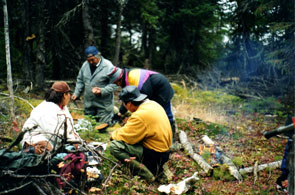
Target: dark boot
141,170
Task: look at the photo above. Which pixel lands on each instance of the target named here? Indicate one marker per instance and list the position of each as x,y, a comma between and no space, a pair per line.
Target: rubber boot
141,170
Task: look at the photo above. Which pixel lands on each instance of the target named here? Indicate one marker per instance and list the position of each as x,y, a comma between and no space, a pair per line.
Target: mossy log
226,160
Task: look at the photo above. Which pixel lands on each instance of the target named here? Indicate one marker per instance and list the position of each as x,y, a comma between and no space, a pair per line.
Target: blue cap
91,51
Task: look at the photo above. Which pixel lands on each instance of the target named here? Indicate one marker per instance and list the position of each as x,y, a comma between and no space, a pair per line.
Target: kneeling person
147,135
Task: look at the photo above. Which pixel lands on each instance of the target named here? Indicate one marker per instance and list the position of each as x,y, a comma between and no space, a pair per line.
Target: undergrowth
217,114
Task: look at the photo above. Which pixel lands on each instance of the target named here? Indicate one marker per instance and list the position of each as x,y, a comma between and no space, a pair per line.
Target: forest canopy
242,38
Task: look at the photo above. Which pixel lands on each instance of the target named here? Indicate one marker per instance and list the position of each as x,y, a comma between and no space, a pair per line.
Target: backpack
71,171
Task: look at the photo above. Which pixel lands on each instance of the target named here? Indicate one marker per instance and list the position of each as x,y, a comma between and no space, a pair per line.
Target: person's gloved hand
116,118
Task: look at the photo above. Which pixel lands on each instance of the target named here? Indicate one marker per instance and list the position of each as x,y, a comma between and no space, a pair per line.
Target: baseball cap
131,93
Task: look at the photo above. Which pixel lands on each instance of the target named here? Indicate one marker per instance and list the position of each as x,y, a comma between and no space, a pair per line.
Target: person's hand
116,117
96,90
76,146
74,97
285,183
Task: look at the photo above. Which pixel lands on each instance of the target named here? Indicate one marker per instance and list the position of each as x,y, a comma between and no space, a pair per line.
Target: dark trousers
154,161
284,166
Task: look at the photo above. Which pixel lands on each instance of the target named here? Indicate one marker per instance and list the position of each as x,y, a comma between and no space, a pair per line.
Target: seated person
52,118
147,134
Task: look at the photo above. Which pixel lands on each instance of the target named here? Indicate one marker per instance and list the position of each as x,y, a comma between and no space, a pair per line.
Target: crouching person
51,119
147,135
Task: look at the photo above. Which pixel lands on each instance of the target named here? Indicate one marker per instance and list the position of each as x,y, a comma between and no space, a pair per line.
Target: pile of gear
68,171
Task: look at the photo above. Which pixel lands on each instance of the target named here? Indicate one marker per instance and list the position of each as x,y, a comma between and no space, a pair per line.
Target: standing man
98,92
147,135
153,84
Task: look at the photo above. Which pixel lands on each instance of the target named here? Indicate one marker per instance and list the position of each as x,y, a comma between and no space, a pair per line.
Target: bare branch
16,188
20,99
11,174
68,15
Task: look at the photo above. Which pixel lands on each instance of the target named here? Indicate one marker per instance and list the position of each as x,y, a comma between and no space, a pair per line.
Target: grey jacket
85,82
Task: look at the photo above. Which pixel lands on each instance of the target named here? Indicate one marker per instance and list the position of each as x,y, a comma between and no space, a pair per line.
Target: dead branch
39,188
248,96
67,16
16,188
11,174
255,171
188,147
20,99
271,165
109,177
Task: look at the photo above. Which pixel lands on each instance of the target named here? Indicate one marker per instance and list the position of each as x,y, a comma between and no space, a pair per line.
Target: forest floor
234,124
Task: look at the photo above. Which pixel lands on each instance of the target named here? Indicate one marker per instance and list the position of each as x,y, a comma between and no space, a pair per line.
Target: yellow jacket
149,125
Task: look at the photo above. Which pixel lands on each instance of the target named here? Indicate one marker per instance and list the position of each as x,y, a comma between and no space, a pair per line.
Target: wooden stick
255,171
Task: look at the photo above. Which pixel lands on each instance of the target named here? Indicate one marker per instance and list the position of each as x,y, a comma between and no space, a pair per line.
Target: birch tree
8,62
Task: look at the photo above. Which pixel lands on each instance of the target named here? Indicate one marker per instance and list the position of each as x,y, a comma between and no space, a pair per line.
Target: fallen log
226,160
188,147
272,165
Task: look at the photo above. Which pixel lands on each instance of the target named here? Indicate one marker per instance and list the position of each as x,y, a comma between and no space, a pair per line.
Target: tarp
18,160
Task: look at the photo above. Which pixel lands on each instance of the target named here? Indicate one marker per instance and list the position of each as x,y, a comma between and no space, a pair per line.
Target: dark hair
53,96
134,103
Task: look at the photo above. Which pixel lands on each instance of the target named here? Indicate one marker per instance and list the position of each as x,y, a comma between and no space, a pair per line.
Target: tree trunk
27,43
118,33
40,53
105,28
88,29
151,47
8,62
144,40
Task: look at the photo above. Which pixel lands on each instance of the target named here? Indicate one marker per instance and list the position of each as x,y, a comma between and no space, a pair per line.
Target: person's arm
133,132
110,88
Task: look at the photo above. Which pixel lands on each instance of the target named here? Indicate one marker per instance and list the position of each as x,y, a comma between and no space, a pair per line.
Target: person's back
153,84
45,127
158,133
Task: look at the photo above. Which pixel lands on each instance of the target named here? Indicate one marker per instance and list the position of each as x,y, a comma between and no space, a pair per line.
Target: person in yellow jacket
147,135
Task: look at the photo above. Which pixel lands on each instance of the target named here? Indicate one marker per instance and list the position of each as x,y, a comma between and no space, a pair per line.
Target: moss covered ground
236,124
